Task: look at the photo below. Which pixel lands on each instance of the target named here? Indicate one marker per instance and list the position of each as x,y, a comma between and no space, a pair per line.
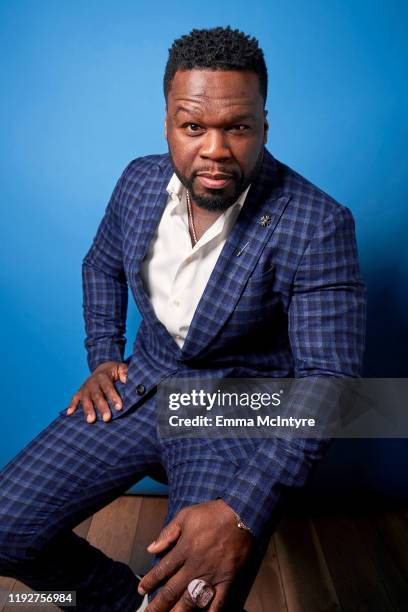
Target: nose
215,145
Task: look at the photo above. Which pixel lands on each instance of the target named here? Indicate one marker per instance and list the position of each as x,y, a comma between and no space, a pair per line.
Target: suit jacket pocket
265,274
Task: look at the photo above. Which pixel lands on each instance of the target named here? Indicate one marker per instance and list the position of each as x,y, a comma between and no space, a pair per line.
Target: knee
16,547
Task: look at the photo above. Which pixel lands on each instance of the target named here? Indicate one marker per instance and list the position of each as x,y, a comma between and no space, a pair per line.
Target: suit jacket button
141,389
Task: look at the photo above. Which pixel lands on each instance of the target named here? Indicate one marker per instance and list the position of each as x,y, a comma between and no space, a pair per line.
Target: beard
218,201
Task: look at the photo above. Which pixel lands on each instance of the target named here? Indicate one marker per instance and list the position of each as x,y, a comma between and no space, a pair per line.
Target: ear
165,126
266,127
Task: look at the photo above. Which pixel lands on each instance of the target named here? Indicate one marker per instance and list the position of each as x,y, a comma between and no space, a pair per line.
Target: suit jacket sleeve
105,292
326,330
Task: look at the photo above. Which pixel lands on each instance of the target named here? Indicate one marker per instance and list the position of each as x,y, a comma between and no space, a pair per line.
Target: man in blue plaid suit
282,298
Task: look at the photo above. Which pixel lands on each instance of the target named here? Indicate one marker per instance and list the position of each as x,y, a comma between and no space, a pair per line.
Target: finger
122,372
98,398
102,388
170,594
88,409
112,395
167,536
73,404
185,603
219,601
164,569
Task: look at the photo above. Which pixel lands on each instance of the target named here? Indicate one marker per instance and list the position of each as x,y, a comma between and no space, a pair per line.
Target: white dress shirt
174,272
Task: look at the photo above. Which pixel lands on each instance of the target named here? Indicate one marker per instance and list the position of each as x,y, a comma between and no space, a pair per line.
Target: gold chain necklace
190,217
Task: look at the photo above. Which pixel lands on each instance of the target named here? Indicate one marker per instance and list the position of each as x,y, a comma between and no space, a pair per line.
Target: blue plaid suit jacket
292,303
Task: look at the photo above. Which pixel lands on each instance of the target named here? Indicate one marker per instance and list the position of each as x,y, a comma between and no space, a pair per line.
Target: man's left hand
206,543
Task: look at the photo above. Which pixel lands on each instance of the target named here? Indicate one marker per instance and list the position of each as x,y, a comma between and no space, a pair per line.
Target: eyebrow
232,119
182,109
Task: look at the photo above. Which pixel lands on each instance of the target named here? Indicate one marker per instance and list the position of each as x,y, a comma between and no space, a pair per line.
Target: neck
201,219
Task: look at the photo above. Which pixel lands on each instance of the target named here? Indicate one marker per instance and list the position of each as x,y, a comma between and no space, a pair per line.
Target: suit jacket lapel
257,220
150,210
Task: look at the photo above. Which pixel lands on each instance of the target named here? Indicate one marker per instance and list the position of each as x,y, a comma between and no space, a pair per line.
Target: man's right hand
97,389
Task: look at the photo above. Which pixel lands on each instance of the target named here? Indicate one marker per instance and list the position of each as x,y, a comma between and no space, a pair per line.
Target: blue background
82,95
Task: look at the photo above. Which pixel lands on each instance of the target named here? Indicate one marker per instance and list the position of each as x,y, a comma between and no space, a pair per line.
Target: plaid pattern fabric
71,470
284,299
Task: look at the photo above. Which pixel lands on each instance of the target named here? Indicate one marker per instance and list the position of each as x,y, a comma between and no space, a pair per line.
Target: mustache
214,171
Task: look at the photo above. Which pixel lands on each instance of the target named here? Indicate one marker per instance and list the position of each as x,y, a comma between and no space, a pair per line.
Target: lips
218,180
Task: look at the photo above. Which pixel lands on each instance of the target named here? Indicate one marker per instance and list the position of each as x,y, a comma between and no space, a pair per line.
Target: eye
239,127
192,128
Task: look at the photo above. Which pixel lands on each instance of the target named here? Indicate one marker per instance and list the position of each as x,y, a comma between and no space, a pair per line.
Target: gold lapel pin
265,220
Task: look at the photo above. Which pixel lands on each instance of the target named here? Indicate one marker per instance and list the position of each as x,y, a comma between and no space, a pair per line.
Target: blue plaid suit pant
72,469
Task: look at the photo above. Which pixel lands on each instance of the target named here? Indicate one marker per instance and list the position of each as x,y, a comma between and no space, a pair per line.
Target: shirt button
176,303
189,259
141,389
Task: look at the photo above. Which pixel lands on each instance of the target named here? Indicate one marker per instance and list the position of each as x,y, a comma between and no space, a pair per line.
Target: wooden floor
329,561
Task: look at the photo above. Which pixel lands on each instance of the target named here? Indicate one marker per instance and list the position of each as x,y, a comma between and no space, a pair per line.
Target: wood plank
357,581
6,585
267,591
394,529
386,539
113,528
306,579
150,520
83,528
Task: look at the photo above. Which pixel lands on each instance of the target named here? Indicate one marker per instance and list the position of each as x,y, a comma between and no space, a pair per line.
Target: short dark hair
216,49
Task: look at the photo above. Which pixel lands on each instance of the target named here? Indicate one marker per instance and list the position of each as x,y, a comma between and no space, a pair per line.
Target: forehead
215,89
